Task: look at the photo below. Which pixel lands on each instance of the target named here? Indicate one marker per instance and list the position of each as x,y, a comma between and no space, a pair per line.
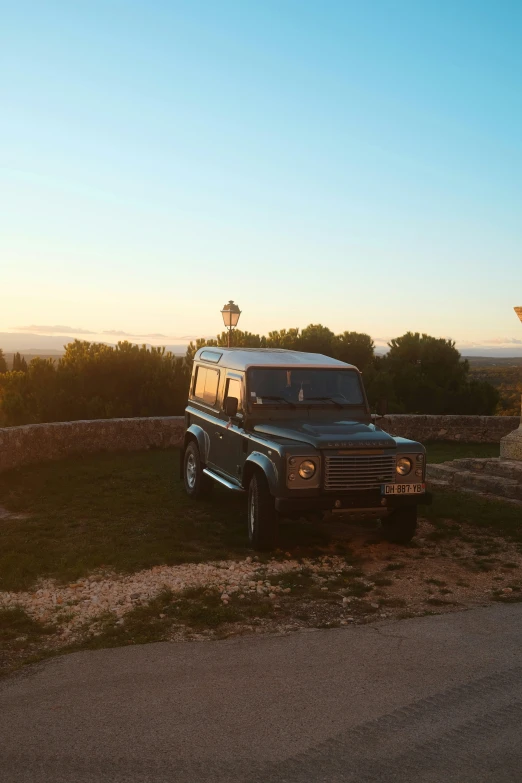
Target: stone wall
41,442
467,429
35,443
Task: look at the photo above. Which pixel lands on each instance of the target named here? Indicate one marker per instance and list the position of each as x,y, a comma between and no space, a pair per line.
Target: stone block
511,445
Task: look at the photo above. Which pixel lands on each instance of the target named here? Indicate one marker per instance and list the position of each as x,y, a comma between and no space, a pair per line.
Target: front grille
359,471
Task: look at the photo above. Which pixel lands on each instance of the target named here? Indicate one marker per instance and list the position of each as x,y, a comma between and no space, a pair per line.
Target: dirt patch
448,567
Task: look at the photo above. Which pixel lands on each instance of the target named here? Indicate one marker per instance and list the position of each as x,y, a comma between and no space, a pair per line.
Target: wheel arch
196,434
258,461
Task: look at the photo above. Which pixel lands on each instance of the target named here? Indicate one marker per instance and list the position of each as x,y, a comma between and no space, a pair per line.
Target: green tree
284,338
355,348
379,385
420,374
19,363
428,375
32,396
3,363
14,398
124,380
96,381
241,339
192,347
317,338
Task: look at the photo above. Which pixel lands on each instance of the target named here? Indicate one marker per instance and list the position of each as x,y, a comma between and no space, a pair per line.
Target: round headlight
403,466
307,469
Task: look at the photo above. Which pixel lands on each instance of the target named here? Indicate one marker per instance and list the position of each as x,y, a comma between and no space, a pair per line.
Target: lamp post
230,313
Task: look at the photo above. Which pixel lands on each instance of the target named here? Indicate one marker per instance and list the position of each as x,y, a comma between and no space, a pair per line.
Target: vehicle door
230,435
205,393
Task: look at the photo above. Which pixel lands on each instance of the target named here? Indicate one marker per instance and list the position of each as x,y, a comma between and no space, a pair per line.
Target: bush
424,374
95,381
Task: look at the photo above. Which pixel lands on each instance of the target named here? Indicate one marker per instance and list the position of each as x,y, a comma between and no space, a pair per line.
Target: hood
340,434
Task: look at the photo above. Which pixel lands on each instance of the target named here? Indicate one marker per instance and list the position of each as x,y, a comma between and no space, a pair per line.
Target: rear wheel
400,526
262,515
197,485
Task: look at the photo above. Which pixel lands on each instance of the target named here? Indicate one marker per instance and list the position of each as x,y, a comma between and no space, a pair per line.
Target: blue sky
355,164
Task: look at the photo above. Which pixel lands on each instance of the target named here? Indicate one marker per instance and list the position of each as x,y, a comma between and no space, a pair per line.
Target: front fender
259,460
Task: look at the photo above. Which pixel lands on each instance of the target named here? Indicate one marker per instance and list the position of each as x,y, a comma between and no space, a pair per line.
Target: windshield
304,386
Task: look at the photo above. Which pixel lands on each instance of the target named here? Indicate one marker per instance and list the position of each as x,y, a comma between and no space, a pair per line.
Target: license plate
403,489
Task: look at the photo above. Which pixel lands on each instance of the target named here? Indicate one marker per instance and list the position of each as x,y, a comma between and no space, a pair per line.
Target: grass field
123,512
129,512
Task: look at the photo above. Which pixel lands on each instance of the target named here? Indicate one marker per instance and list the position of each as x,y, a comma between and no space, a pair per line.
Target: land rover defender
294,432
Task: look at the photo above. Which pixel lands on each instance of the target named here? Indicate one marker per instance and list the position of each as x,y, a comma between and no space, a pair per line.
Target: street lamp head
230,313
518,311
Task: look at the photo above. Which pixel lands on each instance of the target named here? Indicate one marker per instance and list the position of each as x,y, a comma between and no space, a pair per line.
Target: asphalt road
428,700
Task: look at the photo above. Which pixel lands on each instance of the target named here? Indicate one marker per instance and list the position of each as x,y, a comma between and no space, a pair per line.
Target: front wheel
262,515
400,526
197,485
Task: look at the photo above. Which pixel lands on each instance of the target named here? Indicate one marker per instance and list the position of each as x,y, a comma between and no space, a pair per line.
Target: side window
211,386
206,384
199,385
233,389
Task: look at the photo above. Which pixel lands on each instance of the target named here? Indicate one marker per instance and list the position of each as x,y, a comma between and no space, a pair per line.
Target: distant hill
494,361
52,345
497,352
32,343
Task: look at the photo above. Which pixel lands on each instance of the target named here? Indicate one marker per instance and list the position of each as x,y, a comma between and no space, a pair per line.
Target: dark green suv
294,431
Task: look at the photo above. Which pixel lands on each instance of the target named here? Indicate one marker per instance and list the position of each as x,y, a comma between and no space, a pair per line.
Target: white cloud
155,336
52,329
59,329
121,333
492,341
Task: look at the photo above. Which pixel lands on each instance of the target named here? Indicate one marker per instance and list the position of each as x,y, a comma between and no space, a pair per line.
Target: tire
197,485
400,526
262,516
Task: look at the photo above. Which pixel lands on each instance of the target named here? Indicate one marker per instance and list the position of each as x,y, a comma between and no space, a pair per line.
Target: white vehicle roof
243,358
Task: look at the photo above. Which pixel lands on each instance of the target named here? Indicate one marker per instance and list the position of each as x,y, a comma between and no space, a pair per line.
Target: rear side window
233,389
206,384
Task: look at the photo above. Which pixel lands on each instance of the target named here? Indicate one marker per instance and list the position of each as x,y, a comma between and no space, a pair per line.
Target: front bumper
353,502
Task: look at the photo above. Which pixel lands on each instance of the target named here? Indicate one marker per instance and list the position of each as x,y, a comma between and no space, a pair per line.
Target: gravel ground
88,598
464,568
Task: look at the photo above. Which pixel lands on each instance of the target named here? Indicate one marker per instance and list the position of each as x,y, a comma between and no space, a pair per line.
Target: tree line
419,374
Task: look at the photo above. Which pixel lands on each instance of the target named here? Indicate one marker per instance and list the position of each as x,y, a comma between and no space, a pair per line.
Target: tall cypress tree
3,363
19,363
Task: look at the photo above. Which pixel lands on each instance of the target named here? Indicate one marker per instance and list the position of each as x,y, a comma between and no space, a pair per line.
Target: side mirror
382,407
230,406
